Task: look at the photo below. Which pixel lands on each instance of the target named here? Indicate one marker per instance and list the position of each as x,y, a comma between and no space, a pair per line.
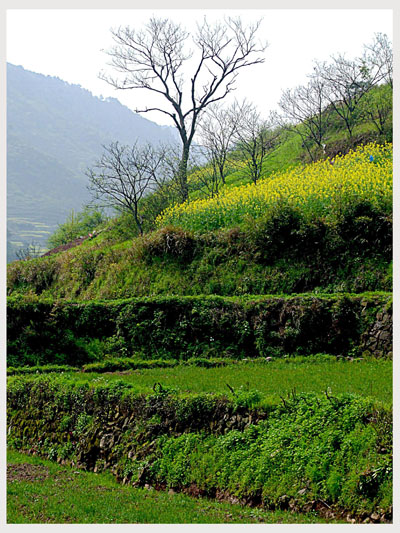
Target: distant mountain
55,130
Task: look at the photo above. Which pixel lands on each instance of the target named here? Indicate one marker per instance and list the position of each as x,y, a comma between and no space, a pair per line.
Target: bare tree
306,112
207,179
345,84
256,139
123,175
155,59
217,130
378,56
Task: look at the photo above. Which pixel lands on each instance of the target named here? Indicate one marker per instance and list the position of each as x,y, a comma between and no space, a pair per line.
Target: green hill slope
332,232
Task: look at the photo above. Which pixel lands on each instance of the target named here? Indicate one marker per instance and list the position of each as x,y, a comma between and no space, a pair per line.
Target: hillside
319,228
239,350
55,130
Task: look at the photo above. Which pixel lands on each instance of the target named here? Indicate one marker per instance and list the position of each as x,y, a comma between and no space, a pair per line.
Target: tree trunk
183,183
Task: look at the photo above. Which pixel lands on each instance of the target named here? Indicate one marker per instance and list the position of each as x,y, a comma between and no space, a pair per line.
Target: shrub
169,242
180,328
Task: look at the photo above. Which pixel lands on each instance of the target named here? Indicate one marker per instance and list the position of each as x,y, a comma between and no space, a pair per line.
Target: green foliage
77,225
365,228
308,448
180,328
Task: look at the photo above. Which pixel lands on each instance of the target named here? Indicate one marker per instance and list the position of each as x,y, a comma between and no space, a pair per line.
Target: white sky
69,43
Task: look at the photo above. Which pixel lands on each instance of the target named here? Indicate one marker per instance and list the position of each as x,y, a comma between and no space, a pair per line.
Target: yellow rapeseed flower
320,187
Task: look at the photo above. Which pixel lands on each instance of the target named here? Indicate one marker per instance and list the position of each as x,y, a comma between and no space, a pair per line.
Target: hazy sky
69,44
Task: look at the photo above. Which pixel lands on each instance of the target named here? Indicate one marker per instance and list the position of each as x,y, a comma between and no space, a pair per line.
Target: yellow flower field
321,188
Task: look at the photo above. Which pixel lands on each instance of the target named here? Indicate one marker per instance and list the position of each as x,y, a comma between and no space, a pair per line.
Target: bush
276,234
181,328
169,242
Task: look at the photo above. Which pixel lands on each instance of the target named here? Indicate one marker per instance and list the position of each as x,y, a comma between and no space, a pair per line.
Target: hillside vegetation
324,227
239,349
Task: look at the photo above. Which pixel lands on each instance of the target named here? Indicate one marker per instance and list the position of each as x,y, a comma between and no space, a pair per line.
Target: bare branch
154,59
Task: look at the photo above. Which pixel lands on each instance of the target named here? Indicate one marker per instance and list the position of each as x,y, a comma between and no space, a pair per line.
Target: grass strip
270,378
41,491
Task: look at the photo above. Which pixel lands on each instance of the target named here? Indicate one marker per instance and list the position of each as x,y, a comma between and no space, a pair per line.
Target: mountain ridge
55,130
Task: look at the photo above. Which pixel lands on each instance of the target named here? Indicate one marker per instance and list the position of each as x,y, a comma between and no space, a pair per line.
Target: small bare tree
123,175
217,130
256,139
156,58
306,112
345,84
378,56
207,179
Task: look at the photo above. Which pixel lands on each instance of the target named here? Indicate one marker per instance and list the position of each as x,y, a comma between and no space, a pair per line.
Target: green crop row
120,364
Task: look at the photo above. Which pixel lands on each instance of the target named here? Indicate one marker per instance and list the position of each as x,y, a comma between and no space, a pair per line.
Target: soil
27,472
67,246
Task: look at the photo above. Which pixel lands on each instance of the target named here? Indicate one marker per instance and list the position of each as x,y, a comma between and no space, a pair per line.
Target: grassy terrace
365,378
41,491
368,377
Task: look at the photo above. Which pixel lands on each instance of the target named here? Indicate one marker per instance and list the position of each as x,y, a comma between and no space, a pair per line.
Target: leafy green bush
180,328
309,448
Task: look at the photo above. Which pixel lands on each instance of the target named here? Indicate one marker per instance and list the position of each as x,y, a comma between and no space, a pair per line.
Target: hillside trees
124,174
305,112
341,89
346,82
378,55
158,58
257,138
218,131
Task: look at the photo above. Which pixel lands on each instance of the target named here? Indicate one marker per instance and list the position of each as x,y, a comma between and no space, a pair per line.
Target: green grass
63,494
368,378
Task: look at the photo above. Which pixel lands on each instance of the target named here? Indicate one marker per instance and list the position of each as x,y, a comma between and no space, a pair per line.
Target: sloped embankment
284,251
74,333
305,452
